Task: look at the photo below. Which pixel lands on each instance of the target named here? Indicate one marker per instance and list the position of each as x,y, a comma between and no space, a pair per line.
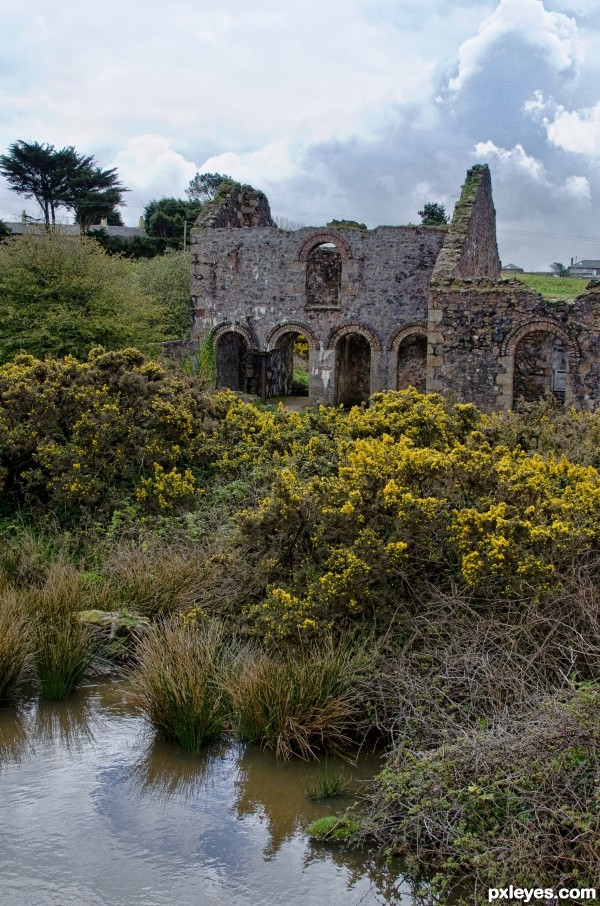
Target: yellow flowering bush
85,436
397,513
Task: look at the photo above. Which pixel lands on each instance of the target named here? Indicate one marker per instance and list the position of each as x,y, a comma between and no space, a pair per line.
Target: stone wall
384,308
259,281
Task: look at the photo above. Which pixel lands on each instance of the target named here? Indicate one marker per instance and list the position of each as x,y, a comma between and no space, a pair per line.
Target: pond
95,811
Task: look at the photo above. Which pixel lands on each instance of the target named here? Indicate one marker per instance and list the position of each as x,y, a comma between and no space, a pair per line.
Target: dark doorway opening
353,370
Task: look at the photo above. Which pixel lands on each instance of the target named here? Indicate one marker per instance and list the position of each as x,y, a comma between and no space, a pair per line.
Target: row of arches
536,356
284,365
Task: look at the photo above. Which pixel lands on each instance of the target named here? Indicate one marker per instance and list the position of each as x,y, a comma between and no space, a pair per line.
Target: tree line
62,178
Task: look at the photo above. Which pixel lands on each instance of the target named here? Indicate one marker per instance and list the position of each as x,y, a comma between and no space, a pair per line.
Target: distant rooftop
18,228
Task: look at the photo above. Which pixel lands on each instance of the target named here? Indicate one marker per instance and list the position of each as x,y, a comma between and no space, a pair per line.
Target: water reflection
13,736
67,725
90,795
165,771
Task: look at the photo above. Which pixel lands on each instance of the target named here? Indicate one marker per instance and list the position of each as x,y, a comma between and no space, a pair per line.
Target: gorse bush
82,437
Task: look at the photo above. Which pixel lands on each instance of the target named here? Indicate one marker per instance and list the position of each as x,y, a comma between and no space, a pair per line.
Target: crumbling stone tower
383,309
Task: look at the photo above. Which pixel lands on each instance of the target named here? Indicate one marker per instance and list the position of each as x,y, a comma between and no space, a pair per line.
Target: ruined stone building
384,309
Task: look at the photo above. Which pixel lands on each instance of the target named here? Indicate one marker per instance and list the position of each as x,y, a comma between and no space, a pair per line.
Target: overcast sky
361,109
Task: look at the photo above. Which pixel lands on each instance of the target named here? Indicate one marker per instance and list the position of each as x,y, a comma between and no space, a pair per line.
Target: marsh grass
301,701
17,632
64,652
326,785
178,681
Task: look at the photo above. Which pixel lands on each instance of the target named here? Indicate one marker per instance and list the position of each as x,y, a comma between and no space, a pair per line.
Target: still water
95,812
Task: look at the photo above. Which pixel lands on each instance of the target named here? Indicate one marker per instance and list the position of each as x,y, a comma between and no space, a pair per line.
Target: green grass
326,785
301,701
551,287
333,829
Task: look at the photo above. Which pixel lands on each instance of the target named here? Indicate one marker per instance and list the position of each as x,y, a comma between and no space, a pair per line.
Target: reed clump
64,652
178,681
17,632
65,647
302,701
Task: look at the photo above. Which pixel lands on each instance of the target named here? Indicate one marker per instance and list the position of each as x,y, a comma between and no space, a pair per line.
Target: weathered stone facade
384,308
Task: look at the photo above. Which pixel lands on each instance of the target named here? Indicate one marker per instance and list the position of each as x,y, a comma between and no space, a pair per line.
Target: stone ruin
383,309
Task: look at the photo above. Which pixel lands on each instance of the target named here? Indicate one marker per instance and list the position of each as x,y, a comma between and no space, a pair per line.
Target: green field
552,287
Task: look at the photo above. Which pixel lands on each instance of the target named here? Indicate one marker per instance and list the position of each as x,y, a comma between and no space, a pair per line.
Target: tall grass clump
304,700
16,645
178,681
65,647
65,651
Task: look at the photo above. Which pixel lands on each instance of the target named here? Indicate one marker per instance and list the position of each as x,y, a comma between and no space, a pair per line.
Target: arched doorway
352,370
287,369
412,363
540,367
233,362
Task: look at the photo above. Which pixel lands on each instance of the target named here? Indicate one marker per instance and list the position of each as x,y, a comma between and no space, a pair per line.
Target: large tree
61,179
204,186
165,217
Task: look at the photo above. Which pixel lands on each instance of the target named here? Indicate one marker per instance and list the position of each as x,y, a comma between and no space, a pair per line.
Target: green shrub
64,652
516,804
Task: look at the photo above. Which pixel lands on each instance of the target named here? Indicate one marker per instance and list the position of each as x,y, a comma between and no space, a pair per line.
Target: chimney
142,224
104,222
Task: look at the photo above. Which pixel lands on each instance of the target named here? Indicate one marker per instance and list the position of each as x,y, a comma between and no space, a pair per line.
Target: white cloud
515,160
554,33
272,162
149,162
577,131
577,188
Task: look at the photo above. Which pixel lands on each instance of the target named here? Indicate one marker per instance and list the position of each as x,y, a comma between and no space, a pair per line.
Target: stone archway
352,370
357,350
290,348
233,359
539,357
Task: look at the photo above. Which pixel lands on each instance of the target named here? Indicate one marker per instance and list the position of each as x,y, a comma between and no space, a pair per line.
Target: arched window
323,276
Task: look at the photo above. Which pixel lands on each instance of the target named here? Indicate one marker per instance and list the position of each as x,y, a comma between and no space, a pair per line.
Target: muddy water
95,812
